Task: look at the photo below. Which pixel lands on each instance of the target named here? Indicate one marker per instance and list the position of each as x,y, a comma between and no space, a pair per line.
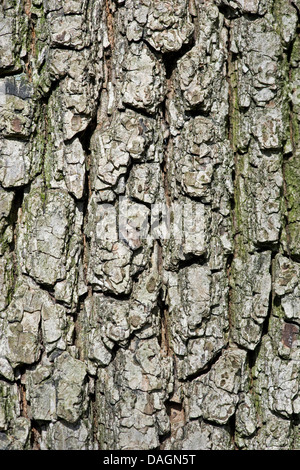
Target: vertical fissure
21,384
176,414
165,345
109,12
265,328
286,214
232,116
104,112
290,156
232,430
85,140
14,218
229,267
31,39
35,435
231,126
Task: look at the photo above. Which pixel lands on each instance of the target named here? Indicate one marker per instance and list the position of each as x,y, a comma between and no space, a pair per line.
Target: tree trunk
150,224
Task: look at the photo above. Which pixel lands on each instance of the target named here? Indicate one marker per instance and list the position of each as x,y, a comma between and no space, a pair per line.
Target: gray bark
150,224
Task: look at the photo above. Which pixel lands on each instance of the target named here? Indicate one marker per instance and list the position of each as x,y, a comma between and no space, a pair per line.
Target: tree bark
150,224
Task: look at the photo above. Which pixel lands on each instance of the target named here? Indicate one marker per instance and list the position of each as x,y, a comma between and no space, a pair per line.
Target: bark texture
120,327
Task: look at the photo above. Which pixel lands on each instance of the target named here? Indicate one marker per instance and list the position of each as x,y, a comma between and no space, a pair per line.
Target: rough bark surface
121,328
